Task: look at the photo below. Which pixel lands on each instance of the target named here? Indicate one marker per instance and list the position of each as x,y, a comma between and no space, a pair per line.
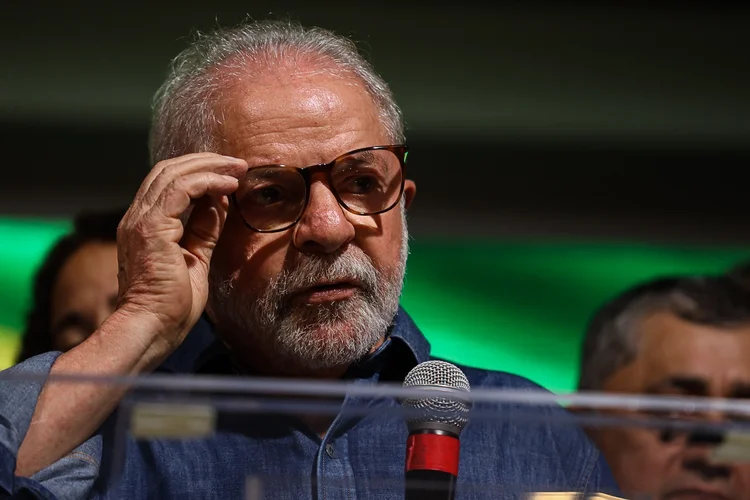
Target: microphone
434,423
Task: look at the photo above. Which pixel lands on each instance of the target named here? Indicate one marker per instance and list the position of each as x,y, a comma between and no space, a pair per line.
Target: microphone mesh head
446,380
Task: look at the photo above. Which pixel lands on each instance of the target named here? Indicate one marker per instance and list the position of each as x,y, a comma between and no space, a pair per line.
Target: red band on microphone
432,452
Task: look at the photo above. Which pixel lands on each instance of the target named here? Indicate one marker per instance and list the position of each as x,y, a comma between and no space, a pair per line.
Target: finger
137,208
163,220
156,170
153,186
204,227
223,165
183,191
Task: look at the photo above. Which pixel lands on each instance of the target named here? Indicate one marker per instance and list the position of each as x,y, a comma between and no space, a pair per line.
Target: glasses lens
271,198
369,181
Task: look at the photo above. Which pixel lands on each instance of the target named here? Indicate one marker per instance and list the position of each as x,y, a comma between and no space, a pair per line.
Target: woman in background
75,288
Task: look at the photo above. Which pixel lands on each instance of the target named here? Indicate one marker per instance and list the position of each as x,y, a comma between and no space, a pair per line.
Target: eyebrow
269,171
690,385
359,158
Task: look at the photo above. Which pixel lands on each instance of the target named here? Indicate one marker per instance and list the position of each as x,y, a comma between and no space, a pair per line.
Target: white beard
311,337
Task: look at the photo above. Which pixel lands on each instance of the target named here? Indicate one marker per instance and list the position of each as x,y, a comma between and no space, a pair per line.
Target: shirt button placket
335,479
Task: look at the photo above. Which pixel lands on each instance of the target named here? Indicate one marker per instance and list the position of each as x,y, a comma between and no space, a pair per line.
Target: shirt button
330,449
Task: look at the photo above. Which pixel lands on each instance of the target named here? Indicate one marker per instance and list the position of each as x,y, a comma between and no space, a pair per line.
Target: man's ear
410,191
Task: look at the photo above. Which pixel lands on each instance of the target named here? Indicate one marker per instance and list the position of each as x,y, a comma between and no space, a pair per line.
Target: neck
257,362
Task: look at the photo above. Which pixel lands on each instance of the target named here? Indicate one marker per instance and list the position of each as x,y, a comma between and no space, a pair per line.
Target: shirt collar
406,331
404,347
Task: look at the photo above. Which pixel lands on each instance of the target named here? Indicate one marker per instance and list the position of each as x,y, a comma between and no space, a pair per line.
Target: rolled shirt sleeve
71,477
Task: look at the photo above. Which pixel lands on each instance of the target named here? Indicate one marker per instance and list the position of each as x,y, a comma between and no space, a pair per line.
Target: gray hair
611,340
184,116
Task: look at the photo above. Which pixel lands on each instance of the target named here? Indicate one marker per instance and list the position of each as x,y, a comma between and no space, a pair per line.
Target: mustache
312,269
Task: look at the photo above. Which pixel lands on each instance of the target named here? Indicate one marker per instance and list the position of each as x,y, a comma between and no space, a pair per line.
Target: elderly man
671,336
274,219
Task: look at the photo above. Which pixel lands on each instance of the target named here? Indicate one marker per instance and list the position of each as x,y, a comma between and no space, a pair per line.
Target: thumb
204,225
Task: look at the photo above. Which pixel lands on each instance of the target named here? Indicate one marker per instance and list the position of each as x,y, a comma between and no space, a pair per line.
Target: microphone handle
431,465
430,485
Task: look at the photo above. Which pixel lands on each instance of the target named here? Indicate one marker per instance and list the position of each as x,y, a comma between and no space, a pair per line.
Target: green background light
506,305
23,243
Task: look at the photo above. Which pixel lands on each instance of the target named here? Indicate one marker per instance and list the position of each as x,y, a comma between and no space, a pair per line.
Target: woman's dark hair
87,227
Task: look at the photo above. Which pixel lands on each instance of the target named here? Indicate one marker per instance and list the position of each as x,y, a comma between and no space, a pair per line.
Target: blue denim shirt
71,477
360,456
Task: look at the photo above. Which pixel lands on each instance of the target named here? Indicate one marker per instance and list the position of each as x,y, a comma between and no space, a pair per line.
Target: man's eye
361,185
267,195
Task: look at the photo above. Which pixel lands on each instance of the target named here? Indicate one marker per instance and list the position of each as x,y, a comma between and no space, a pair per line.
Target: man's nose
323,227
699,447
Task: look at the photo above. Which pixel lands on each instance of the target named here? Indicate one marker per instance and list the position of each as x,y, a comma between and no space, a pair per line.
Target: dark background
528,119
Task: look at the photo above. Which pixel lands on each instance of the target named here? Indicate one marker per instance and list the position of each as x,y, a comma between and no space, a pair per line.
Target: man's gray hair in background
184,108
611,340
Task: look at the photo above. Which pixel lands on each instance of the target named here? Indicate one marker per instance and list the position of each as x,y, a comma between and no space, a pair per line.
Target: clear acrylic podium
177,414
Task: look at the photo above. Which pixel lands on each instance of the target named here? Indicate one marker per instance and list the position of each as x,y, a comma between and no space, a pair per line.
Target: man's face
678,358
313,298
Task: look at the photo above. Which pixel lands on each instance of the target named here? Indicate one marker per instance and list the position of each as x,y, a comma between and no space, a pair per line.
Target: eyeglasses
365,181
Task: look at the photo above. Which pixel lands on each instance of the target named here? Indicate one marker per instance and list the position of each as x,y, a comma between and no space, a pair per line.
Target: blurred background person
75,288
673,336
